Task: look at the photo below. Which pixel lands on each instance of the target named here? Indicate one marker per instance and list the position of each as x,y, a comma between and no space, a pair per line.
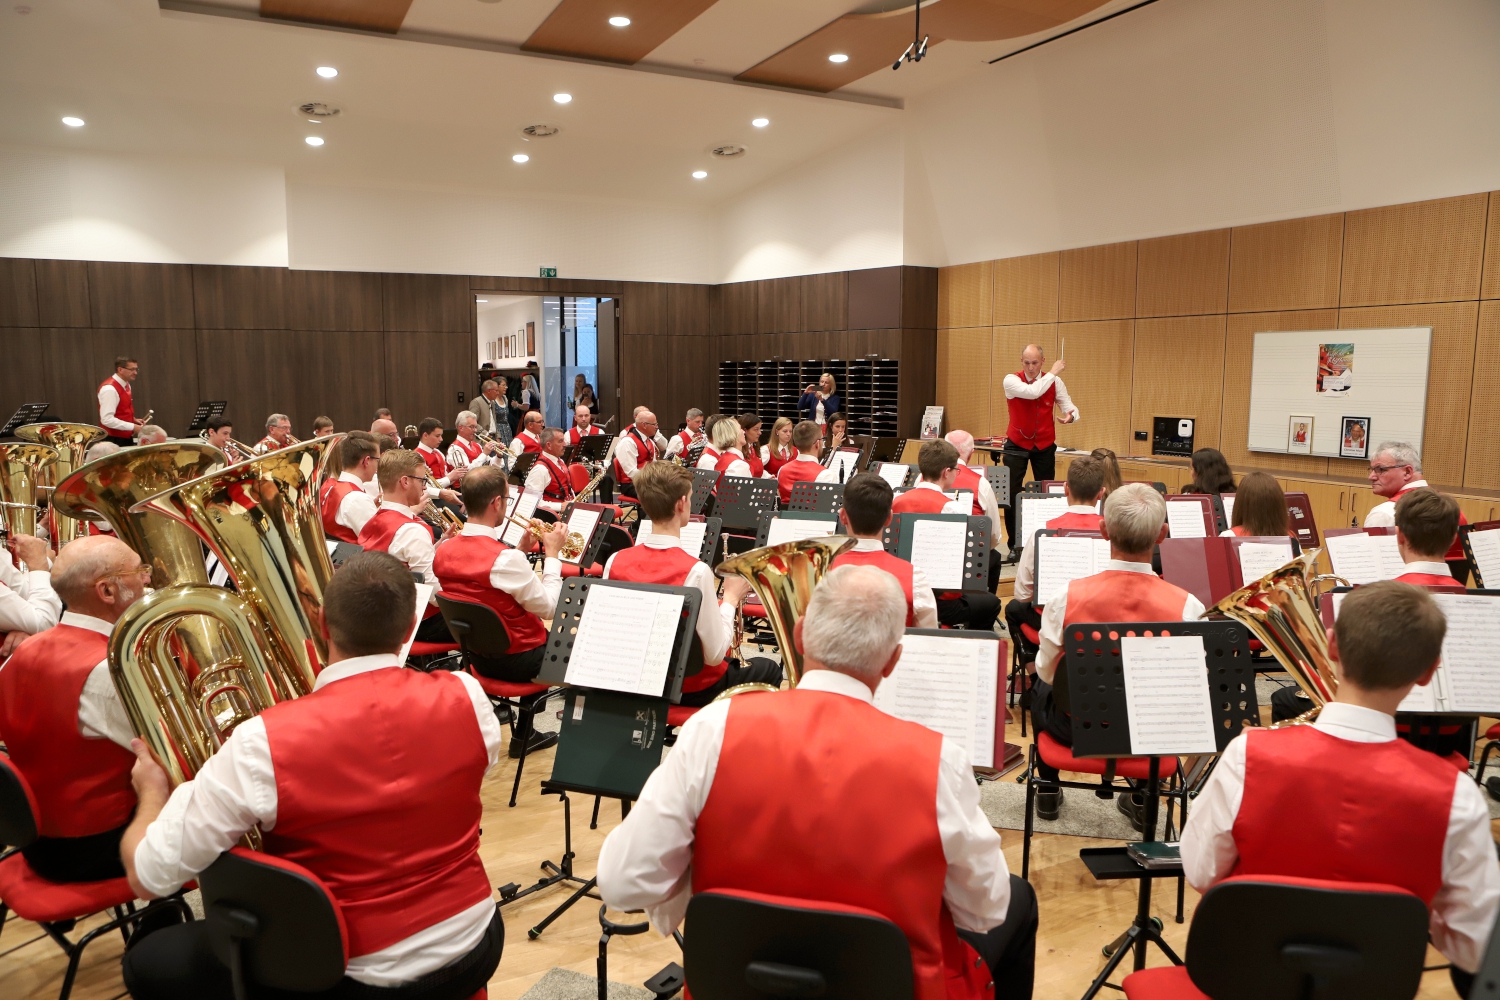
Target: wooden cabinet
1330,501
1479,508
1361,500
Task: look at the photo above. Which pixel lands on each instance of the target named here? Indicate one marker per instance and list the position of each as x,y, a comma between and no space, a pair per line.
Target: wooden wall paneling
1293,264
737,305
918,378
18,292
1425,251
786,299
765,306
142,296
965,294
75,362
424,373
919,297
1006,345
22,375
1026,289
1097,282
688,310
334,300
1186,275
429,303
693,377
1490,286
257,371
1450,376
1239,346
516,286
825,301
886,343
961,386
1179,372
643,308
62,293
875,298
239,298
637,364
1482,463
1099,385
340,374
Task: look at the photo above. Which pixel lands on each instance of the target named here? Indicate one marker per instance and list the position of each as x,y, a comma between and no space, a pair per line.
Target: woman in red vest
751,448
1034,399
1344,799
778,451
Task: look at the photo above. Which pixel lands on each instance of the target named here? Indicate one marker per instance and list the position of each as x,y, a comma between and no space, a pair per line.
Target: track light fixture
918,47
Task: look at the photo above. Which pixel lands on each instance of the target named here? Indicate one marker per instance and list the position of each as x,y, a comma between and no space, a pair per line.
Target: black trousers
757,670
77,859
1052,720
1018,613
178,963
1043,463
971,611
1010,949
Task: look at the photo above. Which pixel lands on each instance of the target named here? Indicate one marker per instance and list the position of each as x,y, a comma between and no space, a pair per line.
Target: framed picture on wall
530,339
1299,435
1354,438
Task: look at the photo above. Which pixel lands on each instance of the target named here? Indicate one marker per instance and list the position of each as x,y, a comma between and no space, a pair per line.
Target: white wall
506,320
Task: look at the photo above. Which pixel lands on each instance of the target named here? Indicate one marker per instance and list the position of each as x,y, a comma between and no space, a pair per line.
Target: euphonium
783,577
71,442
24,468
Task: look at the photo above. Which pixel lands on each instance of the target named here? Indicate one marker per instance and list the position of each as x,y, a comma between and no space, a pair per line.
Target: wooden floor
1078,915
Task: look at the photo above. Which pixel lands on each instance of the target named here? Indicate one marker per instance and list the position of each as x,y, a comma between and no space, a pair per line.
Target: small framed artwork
530,338
1299,435
1354,438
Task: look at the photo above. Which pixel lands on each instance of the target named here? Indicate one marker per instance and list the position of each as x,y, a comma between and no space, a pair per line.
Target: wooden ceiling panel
372,15
581,28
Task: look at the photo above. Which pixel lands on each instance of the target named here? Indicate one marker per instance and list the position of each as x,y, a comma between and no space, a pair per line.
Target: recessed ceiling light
314,140
481,300
562,98
327,72
620,22
698,175
838,57
760,122
314,121
520,158
75,122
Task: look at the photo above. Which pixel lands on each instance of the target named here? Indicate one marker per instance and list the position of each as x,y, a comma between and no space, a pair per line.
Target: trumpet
573,545
439,517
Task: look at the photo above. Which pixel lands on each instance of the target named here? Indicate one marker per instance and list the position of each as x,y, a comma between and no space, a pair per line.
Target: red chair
1260,937
1493,735
421,650
56,906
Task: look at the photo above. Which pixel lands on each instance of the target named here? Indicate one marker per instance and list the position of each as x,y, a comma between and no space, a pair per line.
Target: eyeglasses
1383,469
132,369
143,570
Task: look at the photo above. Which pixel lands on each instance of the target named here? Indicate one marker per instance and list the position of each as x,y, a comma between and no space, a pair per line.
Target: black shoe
1492,785
1048,803
538,741
1133,805
502,714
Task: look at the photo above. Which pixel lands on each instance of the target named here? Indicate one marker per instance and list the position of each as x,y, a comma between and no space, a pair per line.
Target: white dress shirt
1463,911
412,544
539,479
627,453
109,398
101,715
715,631
923,600
459,459
1025,585
1383,515
27,601
236,789
512,573
708,459
1430,568
1057,609
984,493
646,860
1017,387
357,507
675,446
518,443
738,467
372,488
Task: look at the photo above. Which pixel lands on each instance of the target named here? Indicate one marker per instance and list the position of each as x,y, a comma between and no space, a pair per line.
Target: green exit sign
549,272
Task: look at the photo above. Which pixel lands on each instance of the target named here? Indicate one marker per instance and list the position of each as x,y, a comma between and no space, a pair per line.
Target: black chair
1261,937
747,946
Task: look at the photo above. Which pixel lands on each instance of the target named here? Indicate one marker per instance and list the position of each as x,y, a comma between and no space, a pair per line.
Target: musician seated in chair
583,426
665,492
1426,526
805,468
1344,799
346,506
549,476
371,782
865,515
28,604
397,529
1135,521
816,794
635,449
467,451
729,441
679,443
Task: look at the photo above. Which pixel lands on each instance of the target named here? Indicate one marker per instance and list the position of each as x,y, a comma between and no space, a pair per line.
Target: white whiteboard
1388,384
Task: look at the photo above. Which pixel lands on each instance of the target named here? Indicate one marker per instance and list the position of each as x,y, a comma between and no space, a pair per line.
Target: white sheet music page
1166,694
525,507
1389,554
624,640
894,474
1259,558
583,522
1353,557
1186,519
937,548
690,540
1057,488
1486,548
424,594
1228,500
794,529
959,502
1036,511
937,684
1061,560
1470,663
1421,699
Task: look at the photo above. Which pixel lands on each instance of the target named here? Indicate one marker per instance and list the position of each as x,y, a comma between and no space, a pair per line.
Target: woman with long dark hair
1210,473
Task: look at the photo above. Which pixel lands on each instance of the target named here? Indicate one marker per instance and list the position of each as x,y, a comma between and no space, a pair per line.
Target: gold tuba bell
24,470
783,577
71,441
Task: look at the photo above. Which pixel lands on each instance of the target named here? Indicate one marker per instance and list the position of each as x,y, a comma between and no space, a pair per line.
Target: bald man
385,427
1036,399
634,449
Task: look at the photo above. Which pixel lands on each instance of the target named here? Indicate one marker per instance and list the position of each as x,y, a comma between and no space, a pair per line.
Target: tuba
71,441
24,470
1280,609
783,577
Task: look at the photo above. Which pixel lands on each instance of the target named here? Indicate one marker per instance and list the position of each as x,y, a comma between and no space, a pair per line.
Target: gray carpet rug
563,984
1082,815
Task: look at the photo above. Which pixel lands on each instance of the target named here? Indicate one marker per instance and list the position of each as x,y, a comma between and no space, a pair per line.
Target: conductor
1032,396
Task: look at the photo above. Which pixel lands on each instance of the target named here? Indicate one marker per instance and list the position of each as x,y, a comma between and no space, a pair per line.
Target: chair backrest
19,815
475,627
290,928
748,946
1265,937
579,474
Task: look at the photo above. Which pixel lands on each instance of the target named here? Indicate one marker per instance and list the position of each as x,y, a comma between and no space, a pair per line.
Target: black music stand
522,467
739,502
897,540
1037,601
1101,728
1221,516
207,410
594,447
705,482
595,541
571,602
998,476
825,498
763,528
709,553
887,449
29,413
878,468
1464,531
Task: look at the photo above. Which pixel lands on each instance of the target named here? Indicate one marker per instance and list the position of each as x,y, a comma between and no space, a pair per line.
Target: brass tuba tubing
24,470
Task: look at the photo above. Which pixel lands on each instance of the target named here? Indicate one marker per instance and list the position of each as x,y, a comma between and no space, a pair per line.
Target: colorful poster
1335,367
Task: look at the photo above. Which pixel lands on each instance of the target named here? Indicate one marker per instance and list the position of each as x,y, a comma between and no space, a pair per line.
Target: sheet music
1185,519
937,549
1421,699
959,502
894,474
794,529
1389,554
218,573
1061,560
1259,558
1166,694
1036,511
1486,548
947,685
613,650
424,595
1057,488
1363,558
1228,500
525,506
849,460
1471,669
690,541
583,522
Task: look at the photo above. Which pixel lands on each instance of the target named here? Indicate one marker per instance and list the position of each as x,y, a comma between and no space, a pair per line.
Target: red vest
894,565
330,497
1118,595
528,443
436,463
1365,812
471,449
969,479
644,564
686,437
1430,580
776,462
645,451
394,834
125,407
709,459
726,460
1456,550
82,785
575,438
1075,521
790,814
1031,419
795,472
559,486
752,459
462,565
380,530
919,501
269,444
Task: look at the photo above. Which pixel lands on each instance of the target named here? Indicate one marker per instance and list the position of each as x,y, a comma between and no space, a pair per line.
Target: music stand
825,498
1205,509
708,551
1300,513
999,480
207,410
1037,600
594,447
887,449
1464,533
763,529
522,467
739,502
1221,516
976,574
705,482
1101,728
29,413
595,541
906,480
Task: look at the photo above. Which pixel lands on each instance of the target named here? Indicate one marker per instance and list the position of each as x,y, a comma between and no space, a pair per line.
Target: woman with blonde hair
820,401
778,450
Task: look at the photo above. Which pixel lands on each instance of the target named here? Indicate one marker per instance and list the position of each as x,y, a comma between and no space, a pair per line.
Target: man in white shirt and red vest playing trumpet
680,442
665,492
397,529
117,403
1033,396
344,502
772,793
1344,799
634,450
1426,528
1396,470
392,832
865,514
1135,521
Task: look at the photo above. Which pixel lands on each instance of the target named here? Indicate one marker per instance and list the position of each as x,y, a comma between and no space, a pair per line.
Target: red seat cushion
1031,635
432,648
571,570
752,608
1493,733
1054,754
678,714
507,689
32,897
1169,982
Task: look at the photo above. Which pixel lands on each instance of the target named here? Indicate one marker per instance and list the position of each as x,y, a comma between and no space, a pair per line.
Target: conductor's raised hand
1059,366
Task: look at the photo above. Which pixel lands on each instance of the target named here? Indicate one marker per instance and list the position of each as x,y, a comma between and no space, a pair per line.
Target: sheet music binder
763,527
1002,658
29,413
1464,531
1208,568
609,742
1221,519
705,482
207,410
1205,502
999,480
1037,600
570,605
1299,513
826,498
740,502
976,544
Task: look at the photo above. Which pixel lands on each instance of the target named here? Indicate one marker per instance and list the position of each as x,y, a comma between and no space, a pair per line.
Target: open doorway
552,350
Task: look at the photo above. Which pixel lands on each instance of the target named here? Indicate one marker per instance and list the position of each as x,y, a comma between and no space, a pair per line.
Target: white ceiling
492,302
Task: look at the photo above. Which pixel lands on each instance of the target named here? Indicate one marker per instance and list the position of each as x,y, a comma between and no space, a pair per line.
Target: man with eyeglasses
117,404
1396,470
65,728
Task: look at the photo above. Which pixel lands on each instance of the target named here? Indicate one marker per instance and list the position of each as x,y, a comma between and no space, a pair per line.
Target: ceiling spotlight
760,122
562,98
74,122
314,140
327,72
838,57
698,175
481,300
620,22
520,158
